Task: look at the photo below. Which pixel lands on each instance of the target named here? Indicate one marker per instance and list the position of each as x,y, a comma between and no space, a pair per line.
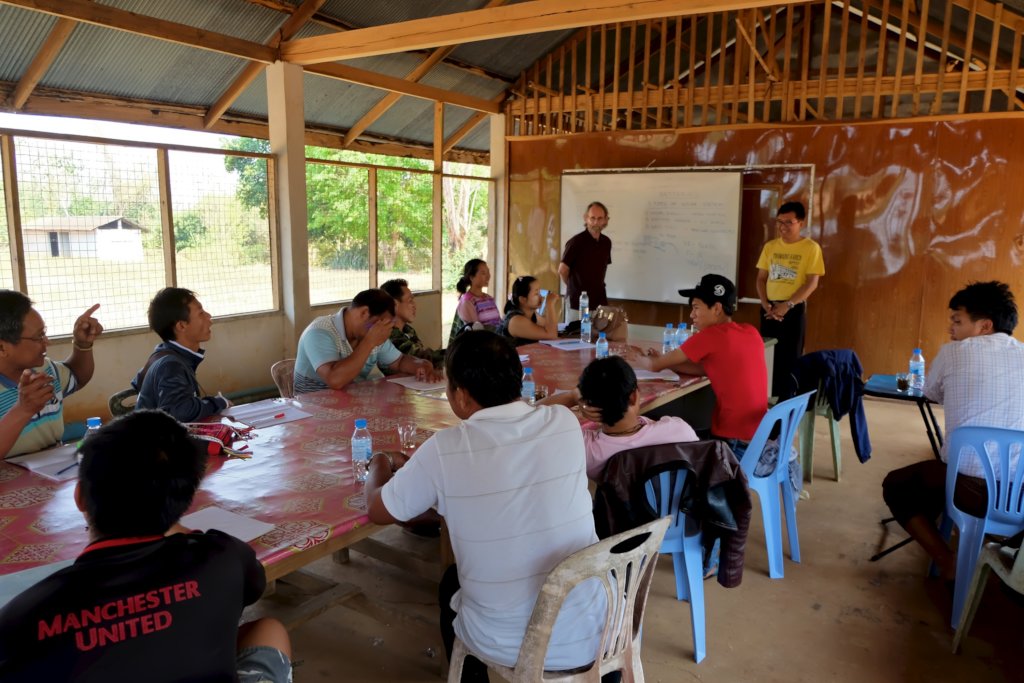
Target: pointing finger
90,311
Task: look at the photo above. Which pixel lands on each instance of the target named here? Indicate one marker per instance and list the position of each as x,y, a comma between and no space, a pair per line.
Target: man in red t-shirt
730,354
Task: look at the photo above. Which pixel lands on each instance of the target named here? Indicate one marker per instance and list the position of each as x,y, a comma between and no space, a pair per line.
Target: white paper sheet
567,344
268,412
642,375
523,357
418,385
58,463
239,526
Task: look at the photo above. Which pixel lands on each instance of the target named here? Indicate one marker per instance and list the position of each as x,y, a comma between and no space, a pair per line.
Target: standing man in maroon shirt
585,261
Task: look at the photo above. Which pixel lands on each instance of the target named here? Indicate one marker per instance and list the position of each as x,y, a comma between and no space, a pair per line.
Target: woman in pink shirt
607,391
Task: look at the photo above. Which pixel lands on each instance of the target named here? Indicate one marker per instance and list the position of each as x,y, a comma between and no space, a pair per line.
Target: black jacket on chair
715,494
837,375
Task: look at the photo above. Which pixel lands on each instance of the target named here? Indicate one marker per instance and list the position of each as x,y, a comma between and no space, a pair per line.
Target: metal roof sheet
361,13
22,32
231,17
509,56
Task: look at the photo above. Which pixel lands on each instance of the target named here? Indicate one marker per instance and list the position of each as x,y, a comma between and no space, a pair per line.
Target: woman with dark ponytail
522,324
476,307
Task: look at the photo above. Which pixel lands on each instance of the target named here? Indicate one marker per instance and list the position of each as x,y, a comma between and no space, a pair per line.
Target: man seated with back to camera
510,481
168,380
403,334
608,393
146,600
978,377
348,346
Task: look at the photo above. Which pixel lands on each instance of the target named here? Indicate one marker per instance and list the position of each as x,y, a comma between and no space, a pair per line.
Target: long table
299,477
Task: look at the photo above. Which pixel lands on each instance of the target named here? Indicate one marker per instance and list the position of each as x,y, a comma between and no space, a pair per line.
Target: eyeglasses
786,223
38,339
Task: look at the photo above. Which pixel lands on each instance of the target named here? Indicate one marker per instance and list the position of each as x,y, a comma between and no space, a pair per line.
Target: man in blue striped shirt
32,386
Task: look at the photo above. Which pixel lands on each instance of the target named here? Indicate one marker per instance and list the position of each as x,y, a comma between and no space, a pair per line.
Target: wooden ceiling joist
122,20
497,22
288,29
48,52
351,74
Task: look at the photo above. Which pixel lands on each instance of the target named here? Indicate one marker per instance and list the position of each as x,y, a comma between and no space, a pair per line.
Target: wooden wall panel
906,213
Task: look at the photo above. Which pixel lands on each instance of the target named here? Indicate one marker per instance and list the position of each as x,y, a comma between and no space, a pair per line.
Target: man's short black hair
486,365
139,474
607,384
988,300
377,300
794,208
14,306
394,288
168,307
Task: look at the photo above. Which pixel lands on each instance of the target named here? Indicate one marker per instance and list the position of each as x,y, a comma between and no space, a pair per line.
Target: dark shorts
263,664
920,489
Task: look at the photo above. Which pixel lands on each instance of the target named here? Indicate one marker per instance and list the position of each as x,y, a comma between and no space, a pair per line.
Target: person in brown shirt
585,261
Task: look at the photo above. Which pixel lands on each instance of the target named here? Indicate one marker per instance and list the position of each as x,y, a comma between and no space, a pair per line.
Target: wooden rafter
111,17
421,70
497,22
42,61
289,28
351,74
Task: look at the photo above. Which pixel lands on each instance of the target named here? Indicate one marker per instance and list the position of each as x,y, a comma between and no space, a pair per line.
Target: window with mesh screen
6,277
465,219
339,229
221,238
404,227
90,221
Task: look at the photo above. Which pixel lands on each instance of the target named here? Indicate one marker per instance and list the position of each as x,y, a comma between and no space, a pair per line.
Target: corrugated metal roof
509,56
363,13
479,139
21,34
138,67
230,17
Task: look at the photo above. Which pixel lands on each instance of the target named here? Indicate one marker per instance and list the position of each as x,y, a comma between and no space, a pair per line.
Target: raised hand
87,328
35,390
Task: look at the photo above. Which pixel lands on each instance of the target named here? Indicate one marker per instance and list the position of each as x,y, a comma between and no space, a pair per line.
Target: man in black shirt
146,600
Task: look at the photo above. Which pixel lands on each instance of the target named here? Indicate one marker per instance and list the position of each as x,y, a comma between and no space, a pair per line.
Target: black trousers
789,333
473,670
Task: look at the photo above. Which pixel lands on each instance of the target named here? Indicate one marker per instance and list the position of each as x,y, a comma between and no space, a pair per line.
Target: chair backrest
1004,477
123,402
283,372
624,564
787,415
664,491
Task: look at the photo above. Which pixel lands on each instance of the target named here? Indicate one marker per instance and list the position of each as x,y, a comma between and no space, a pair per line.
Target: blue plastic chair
788,414
683,542
1005,514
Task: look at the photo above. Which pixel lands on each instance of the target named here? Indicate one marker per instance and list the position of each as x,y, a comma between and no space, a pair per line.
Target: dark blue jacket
170,384
838,372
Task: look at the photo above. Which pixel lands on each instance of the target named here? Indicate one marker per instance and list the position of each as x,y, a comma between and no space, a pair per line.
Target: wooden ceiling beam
497,22
289,28
111,17
351,74
41,63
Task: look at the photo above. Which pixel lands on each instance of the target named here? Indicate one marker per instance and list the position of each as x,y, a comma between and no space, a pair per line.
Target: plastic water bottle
584,303
602,345
529,392
916,369
362,449
682,334
92,426
668,339
585,328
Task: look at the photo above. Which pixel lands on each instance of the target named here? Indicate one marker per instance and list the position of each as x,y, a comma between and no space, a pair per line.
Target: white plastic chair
283,372
1007,563
624,564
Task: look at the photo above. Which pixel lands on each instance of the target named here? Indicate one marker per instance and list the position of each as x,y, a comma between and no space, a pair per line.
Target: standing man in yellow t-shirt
787,274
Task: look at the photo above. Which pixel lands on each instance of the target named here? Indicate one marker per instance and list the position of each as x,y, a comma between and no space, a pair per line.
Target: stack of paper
241,527
641,375
272,411
567,344
58,463
419,385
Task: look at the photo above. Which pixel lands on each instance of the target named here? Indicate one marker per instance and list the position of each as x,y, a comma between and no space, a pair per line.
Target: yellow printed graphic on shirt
788,266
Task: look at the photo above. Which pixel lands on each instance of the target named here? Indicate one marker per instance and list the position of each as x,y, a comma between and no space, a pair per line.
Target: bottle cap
93,422
600,335
682,326
527,371
668,326
917,350
361,423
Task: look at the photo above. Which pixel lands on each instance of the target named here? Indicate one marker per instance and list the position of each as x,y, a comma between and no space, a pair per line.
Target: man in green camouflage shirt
403,335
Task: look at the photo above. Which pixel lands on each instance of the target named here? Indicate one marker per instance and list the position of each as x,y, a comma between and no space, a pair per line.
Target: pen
74,464
278,416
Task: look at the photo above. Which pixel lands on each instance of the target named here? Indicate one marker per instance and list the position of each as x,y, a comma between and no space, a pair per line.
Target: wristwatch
790,304
391,462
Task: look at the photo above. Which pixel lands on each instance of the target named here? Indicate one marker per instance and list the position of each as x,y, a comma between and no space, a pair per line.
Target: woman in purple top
475,306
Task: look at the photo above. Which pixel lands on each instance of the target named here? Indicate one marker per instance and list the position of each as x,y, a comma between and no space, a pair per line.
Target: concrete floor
835,617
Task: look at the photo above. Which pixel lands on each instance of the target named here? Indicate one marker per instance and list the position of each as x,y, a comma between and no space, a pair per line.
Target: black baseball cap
711,289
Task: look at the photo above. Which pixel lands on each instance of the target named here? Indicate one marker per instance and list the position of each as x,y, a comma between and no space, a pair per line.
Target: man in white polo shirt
511,483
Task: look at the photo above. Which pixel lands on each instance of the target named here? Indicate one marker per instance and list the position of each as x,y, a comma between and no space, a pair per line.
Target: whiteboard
667,228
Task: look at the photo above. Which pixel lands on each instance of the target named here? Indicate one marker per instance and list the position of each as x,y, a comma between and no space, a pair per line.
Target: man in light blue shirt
348,345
